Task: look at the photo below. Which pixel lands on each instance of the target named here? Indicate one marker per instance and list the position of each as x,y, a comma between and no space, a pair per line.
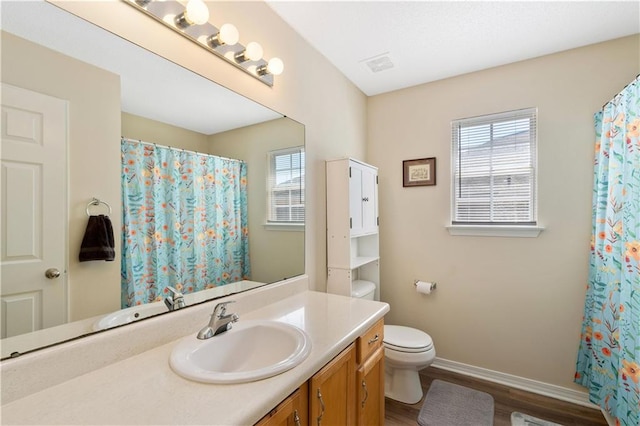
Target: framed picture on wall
420,172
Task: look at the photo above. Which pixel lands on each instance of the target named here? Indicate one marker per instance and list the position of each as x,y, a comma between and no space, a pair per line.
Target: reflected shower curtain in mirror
184,222
609,353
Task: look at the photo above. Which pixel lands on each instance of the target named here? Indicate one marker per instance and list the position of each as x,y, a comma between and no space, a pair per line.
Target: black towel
98,243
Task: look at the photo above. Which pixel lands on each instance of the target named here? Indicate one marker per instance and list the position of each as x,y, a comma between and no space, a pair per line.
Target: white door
33,180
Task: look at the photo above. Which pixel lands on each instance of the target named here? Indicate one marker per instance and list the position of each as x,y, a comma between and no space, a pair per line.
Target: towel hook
97,202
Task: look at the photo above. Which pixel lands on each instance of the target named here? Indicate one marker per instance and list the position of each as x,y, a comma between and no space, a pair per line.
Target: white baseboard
541,388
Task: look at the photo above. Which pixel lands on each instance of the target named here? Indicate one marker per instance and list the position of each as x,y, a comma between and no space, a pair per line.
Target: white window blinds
286,186
494,169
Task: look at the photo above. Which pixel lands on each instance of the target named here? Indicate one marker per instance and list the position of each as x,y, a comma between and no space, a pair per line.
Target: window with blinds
494,169
286,186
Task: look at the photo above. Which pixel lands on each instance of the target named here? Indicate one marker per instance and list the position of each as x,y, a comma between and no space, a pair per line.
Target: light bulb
275,66
253,52
196,13
228,34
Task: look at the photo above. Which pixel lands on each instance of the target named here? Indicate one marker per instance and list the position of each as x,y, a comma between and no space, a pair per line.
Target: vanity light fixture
193,23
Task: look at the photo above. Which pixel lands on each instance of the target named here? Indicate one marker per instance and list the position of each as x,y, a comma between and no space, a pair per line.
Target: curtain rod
635,80
179,149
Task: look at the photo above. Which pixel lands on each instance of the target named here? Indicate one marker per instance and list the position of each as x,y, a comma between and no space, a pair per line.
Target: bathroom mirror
158,102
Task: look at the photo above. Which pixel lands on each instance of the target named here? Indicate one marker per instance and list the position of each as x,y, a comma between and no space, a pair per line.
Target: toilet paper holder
433,284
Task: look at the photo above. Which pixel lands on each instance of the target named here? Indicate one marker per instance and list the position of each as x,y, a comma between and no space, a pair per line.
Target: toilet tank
362,289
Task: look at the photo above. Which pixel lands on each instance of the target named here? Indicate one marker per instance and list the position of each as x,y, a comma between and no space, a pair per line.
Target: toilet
406,351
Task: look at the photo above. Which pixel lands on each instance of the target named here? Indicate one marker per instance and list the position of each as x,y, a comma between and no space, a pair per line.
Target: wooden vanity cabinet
293,411
349,390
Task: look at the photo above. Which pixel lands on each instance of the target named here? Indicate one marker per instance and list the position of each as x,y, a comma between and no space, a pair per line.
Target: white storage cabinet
352,225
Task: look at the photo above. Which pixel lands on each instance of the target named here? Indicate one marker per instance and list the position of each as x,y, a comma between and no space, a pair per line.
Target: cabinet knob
365,199
374,339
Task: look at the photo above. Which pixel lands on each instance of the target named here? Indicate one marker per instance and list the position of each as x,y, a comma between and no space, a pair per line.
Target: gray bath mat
447,404
519,419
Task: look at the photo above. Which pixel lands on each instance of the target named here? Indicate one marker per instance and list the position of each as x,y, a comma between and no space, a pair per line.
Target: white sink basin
127,315
250,351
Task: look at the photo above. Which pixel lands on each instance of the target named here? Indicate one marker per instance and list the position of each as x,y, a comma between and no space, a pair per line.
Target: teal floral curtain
609,353
184,222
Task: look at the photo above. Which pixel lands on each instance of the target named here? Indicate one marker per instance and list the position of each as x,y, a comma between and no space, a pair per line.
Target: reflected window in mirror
286,187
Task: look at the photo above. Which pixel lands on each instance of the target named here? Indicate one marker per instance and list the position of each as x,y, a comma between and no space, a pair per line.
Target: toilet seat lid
406,339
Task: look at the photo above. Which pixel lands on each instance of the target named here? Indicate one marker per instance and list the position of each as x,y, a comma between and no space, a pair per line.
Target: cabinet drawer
370,341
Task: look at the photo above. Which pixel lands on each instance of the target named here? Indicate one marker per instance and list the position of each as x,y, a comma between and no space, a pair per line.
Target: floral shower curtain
609,353
184,222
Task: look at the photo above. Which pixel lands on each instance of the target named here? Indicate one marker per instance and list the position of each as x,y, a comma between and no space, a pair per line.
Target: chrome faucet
175,301
220,321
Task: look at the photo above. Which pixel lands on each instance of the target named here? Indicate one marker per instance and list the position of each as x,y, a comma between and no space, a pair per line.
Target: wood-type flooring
506,401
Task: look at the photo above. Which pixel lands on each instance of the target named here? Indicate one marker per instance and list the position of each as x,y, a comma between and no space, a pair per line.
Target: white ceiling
424,40
151,86
432,40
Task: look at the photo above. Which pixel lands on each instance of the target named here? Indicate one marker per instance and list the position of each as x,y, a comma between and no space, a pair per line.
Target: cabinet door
355,199
293,411
369,201
363,203
370,382
332,391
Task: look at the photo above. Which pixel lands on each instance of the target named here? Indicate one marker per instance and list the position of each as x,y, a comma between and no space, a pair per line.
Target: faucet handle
175,292
222,307
175,300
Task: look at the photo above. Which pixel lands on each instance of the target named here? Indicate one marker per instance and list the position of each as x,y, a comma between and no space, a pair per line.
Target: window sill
296,227
495,231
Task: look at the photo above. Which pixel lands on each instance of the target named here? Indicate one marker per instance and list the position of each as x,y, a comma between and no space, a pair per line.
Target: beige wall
275,254
508,304
144,129
310,91
94,152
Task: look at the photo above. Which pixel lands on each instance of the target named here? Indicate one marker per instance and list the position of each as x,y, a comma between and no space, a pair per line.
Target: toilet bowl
406,351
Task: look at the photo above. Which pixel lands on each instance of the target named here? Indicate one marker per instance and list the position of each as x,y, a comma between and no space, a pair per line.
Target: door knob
52,273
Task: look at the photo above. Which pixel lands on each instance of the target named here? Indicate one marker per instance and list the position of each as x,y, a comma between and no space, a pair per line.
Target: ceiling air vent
378,63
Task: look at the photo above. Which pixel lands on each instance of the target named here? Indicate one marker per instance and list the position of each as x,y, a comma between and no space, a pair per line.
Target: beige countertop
143,389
